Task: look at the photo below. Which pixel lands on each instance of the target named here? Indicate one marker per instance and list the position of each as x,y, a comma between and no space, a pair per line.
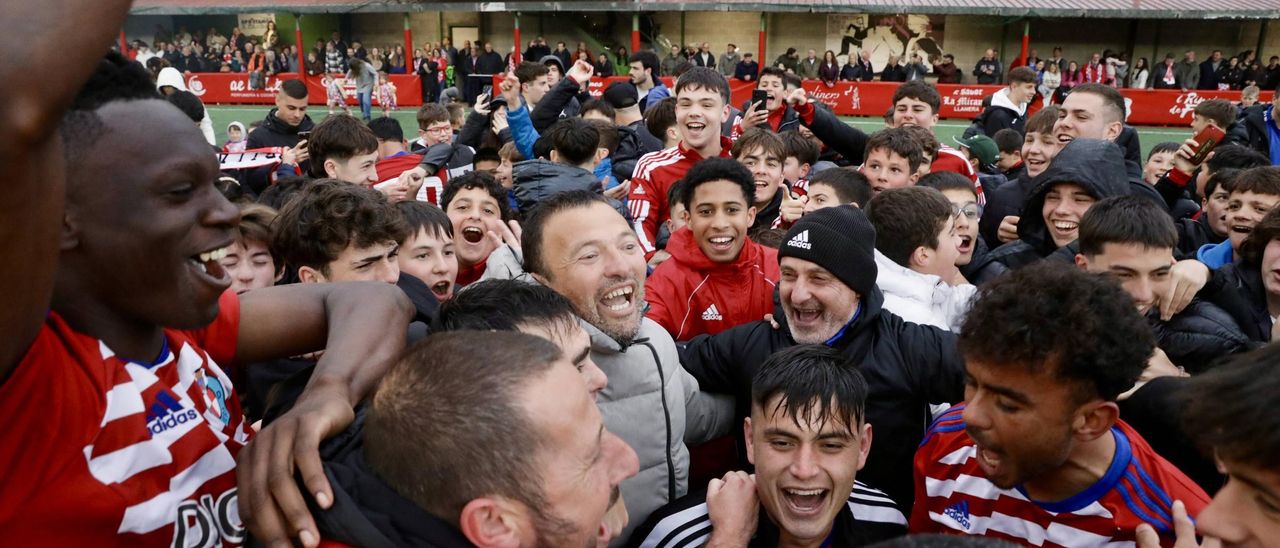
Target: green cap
982,148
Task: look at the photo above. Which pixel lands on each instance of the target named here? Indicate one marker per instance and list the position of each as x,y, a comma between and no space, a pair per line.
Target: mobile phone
488,91
762,97
1206,140
304,135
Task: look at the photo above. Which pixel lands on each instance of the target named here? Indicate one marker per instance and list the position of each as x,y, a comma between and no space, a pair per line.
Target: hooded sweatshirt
922,298
1003,114
1095,165
170,76
690,295
236,146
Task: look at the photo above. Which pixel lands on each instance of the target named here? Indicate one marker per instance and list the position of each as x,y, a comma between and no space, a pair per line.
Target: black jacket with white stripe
870,516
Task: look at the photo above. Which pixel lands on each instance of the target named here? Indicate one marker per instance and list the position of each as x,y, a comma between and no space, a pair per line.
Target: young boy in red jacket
717,278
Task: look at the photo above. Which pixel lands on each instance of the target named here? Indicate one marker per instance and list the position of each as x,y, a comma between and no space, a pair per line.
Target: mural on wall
884,35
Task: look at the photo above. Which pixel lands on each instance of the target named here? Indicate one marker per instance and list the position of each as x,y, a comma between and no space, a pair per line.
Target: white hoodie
922,298
1001,99
170,76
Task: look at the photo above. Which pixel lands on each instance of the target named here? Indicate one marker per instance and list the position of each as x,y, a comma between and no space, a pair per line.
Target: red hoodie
689,295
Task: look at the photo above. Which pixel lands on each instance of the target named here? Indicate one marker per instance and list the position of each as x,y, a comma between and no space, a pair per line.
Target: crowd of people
649,318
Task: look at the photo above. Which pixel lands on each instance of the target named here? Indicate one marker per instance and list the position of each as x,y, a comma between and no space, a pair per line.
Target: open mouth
805,502
989,460
806,315
966,244
442,288
619,300
721,243
209,267
1242,229
1064,138
1065,226
472,234
695,128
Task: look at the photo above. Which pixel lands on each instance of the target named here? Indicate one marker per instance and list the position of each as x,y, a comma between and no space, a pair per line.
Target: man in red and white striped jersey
1038,454
121,423
700,110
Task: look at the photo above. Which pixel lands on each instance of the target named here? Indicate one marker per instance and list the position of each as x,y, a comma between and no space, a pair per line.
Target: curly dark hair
717,169
327,216
1082,326
1231,410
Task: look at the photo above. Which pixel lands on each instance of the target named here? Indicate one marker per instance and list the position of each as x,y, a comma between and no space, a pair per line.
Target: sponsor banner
215,88
254,24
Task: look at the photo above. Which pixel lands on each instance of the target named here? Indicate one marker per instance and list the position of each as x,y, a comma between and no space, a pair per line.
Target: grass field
946,130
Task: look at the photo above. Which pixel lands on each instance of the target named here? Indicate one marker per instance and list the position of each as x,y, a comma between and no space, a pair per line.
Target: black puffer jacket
1255,126
1199,335
1002,202
634,141
983,267
537,180
1194,234
273,133
560,102
907,367
1093,164
1237,289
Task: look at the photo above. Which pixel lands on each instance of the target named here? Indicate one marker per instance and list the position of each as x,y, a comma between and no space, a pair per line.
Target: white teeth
618,292
215,255
805,492
721,240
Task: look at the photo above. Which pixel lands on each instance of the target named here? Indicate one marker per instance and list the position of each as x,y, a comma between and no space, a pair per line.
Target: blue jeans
366,103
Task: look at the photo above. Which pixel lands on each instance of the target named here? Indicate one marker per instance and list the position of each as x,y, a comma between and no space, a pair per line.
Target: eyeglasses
439,129
970,211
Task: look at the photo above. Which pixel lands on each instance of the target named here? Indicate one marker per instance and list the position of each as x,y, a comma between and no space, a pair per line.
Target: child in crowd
1159,161
386,94
334,94
235,138
427,253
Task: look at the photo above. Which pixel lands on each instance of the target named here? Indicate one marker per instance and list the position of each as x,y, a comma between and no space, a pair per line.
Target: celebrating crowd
651,318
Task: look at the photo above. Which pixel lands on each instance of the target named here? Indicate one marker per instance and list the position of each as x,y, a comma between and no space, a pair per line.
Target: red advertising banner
1146,107
233,88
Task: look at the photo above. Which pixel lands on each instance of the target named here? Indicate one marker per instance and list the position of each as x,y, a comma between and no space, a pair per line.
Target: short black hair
1220,111
1258,180
294,88
1126,220
115,78
426,216
574,139
647,59
487,154
505,305
529,71
898,141
609,135
702,78
717,169
188,103
1082,327
660,117
1224,179
914,215
947,180
386,128
1008,140
1110,98
596,104
1230,410
796,146
817,385
919,90
1164,148
849,185
535,223
1236,156
774,72
340,137
473,180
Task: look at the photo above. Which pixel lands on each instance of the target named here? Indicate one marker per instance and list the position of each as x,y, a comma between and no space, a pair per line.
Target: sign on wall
255,24
885,35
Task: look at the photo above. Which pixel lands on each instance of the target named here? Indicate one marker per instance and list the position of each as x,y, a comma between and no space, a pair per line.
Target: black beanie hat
839,239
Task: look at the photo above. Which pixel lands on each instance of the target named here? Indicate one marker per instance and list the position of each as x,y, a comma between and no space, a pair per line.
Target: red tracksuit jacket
689,295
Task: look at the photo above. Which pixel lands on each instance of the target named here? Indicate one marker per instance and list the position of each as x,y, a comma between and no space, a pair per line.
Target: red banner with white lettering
216,88
1146,107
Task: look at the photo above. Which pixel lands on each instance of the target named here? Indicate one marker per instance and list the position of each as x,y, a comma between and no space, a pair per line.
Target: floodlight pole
635,32
297,39
1026,40
764,30
408,45
515,52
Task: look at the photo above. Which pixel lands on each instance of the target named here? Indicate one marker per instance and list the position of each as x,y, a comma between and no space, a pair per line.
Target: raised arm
71,35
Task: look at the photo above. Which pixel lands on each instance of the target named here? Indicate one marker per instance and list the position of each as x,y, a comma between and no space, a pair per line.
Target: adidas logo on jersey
959,512
801,241
711,314
638,190
166,413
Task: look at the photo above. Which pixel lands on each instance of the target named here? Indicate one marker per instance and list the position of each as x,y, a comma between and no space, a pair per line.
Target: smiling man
808,437
1097,111
578,245
1038,454
829,296
717,277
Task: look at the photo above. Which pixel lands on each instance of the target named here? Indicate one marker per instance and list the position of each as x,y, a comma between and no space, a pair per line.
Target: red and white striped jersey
100,451
654,174
953,496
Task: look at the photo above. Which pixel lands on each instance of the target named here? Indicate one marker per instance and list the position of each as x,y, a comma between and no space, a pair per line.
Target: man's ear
601,154
919,257
746,431
1113,130
494,522
1094,419
331,168
308,275
1082,262
555,156
69,236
